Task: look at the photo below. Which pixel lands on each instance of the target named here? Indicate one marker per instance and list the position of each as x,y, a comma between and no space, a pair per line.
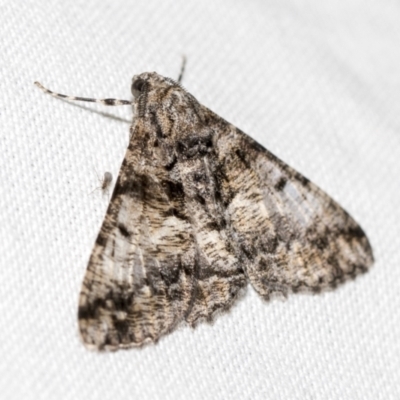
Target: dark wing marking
219,276
290,235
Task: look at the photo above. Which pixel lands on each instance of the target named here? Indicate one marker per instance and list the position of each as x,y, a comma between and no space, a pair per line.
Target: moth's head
149,87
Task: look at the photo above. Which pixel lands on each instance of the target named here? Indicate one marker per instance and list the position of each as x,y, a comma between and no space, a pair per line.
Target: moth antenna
142,100
182,69
105,102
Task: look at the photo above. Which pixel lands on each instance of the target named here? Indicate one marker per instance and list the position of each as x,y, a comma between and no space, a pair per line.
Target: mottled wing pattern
219,274
139,279
290,235
199,209
162,256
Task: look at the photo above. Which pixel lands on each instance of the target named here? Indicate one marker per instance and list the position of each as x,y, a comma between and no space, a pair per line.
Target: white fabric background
316,82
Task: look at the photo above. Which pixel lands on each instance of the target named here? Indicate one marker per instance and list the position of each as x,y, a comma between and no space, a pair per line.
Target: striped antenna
105,102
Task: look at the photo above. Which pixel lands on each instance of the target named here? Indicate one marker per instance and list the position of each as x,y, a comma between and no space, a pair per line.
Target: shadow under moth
200,209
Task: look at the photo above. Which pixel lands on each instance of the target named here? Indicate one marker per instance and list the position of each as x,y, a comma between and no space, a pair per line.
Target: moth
198,211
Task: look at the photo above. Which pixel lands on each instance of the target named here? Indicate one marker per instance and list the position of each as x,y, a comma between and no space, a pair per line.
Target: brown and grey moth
199,210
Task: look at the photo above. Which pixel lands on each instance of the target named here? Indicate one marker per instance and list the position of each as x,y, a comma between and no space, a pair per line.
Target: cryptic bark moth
200,209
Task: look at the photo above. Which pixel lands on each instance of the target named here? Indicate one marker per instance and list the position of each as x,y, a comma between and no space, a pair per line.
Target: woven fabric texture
316,82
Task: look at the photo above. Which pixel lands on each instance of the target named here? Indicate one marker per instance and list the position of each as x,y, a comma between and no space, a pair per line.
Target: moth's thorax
169,122
155,93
